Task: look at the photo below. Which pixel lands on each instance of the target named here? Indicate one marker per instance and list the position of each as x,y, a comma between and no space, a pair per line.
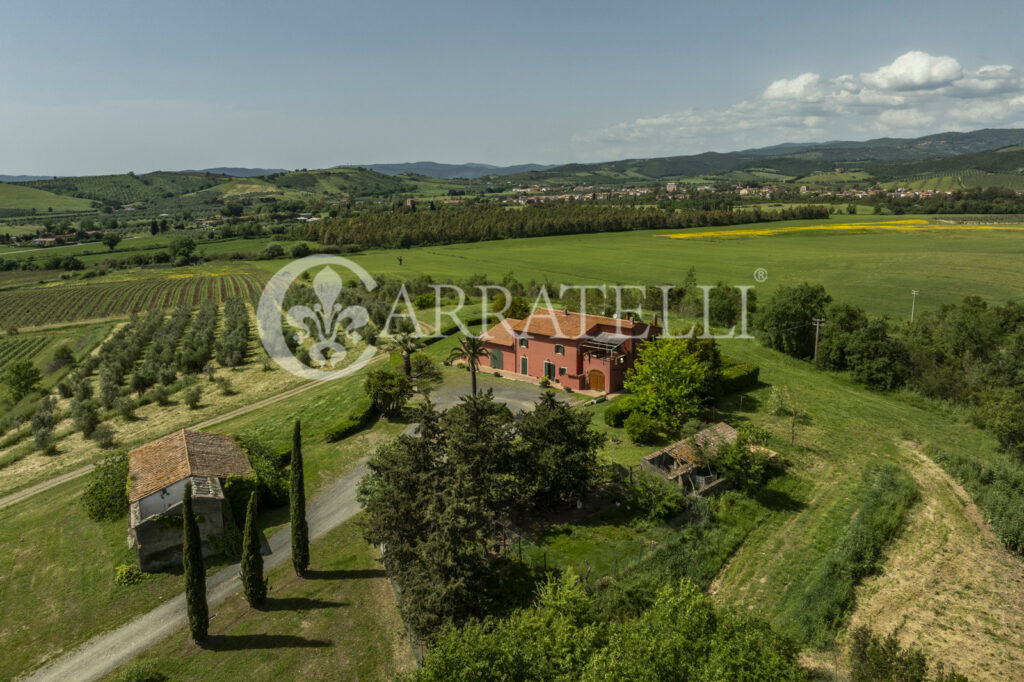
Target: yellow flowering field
908,225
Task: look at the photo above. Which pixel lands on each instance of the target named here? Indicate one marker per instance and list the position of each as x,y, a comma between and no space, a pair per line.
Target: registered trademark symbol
760,274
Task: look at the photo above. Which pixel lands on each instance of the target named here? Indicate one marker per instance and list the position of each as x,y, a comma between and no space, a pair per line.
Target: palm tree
470,349
405,343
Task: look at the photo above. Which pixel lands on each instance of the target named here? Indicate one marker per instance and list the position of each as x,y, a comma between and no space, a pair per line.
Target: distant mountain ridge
470,171
788,159
240,172
23,178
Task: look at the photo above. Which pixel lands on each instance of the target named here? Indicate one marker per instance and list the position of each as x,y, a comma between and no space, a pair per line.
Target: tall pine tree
252,561
300,529
195,572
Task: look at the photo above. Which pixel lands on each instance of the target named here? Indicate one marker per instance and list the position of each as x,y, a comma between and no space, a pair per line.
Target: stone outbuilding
157,474
684,462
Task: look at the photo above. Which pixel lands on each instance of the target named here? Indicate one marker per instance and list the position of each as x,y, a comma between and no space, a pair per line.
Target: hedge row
736,378
358,418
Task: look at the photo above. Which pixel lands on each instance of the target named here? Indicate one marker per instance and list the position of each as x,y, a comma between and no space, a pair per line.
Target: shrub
125,407
655,496
642,428
736,378
127,575
106,496
618,411
140,671
104,436
354,421
85,416
161,394
225,386
193,396
271,475
272,251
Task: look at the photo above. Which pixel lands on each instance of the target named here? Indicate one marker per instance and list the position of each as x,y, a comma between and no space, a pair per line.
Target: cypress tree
195,572
300,529
252,561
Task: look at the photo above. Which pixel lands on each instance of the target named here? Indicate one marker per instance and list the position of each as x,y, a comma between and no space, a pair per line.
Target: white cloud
915,94
915,71
895,120
805,88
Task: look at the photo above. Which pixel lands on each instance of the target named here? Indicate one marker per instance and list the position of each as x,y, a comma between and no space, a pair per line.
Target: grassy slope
340,623
850,428
23,197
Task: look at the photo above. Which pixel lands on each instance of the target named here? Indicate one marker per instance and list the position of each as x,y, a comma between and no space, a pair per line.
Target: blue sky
111,87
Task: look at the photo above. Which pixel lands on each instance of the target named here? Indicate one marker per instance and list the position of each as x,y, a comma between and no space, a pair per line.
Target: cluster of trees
481,222
993,200
434,500
160,363
970,353
198,343
669,383
681,635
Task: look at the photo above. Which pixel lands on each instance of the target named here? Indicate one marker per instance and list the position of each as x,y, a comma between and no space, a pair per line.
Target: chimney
655,319
629,316
565,311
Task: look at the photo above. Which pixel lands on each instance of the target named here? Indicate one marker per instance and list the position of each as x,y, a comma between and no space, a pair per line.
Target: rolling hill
18,199
790,160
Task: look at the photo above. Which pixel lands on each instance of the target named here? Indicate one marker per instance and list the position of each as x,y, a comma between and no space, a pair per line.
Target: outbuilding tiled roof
184,453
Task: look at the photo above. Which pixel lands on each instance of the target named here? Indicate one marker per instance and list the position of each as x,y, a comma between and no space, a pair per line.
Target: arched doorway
596,380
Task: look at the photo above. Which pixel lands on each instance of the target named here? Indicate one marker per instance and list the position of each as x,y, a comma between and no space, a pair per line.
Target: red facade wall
578,366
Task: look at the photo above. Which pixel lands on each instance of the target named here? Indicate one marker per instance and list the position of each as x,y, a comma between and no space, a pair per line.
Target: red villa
575,350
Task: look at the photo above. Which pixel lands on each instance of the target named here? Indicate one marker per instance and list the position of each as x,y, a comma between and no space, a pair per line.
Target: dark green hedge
736,378
358,418
618,411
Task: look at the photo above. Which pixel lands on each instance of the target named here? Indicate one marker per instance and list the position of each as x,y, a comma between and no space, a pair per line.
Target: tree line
483,222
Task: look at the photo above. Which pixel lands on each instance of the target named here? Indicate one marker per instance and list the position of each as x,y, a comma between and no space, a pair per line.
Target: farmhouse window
559,349
524,342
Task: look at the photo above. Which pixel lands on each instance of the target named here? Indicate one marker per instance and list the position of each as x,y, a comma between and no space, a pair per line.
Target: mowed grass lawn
340,623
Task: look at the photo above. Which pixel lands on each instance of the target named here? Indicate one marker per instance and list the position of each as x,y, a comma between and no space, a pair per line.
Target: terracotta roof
501,333
560,324
184,453
566,324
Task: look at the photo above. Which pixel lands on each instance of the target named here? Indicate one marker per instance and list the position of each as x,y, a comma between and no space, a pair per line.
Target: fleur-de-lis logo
327,323
327,317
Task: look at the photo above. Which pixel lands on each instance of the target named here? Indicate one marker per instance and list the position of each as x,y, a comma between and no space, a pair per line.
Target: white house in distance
157,474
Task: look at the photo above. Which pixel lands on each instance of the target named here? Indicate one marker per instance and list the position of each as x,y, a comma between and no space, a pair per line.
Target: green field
875,270
22,197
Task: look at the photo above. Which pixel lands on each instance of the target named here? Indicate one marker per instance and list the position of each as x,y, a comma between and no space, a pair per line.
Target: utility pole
819,322
913,304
